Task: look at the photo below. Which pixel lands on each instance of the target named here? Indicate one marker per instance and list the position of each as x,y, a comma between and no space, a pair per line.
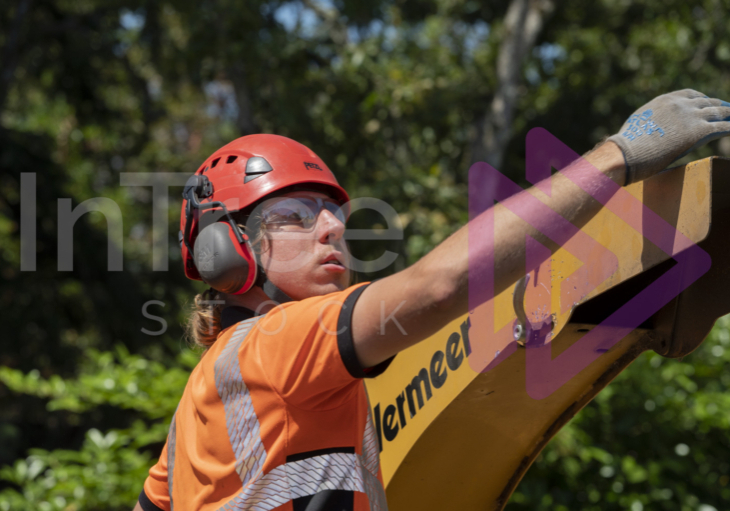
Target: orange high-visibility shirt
275,416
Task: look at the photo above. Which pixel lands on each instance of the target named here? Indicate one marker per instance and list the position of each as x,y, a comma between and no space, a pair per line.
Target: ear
224,263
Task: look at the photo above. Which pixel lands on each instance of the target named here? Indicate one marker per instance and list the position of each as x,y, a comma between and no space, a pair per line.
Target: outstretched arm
423,298
434,291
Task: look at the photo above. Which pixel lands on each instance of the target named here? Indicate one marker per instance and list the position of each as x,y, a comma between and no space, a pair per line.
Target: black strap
274,292
269,288
235,314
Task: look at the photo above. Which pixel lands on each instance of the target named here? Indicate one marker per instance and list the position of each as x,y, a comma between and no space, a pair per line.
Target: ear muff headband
224,263
196,188
222,254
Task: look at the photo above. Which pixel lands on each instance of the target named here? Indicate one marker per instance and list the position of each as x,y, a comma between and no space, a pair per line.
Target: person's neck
254,299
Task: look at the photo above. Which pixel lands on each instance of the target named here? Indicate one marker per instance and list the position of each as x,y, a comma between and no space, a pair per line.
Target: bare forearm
435,290
506,253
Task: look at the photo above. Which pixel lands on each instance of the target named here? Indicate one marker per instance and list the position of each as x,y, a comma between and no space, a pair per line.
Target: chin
315,285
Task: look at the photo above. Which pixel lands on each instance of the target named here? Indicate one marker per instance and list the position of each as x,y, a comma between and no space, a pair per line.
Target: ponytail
204,322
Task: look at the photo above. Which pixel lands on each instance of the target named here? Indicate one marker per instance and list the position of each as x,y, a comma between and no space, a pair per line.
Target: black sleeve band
147,504
346,345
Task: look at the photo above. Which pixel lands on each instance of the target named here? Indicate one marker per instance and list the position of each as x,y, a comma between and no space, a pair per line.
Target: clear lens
289,214
297,214
336,210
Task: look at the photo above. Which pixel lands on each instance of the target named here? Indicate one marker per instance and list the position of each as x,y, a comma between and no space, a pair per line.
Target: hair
204,321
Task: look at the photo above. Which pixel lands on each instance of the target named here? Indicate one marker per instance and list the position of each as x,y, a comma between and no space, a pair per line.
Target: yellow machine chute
456,438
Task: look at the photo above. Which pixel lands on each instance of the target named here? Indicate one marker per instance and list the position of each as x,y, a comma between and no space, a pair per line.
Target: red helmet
240,174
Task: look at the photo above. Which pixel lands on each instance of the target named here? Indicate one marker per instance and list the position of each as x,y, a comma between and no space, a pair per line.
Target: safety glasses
298,214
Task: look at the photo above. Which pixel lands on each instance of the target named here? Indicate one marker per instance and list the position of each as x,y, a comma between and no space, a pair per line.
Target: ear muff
224,263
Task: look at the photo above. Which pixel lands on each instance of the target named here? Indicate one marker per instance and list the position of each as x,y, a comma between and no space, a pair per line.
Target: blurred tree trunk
245,120
522,24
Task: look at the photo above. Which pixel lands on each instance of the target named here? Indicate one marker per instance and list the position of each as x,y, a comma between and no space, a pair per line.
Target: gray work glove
667,128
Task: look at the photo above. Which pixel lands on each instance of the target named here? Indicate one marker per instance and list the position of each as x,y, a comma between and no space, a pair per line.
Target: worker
276,415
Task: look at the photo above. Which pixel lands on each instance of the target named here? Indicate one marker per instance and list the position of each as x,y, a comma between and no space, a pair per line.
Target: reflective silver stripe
370,454
336,471
241,420
171,457
371,462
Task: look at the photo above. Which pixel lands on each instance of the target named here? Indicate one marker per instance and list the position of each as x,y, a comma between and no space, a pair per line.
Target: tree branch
245,121
522,24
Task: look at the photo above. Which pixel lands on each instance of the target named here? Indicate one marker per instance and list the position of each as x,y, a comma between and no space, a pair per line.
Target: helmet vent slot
256,167
231,159
215,162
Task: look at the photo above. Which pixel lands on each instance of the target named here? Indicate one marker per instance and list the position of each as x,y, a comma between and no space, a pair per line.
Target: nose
329,227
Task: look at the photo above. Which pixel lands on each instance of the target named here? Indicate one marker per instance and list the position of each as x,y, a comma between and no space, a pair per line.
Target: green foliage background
387,92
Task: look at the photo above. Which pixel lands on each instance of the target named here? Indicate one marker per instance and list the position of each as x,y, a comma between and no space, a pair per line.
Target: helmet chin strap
270,289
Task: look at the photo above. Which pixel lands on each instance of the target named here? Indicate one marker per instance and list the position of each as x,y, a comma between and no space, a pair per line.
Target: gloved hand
667,128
